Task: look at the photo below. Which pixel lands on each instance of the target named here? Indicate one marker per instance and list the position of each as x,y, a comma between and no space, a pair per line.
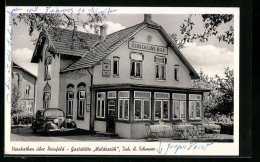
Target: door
111,115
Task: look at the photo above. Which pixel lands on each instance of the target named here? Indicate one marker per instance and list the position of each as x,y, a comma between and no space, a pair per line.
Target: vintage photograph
91,76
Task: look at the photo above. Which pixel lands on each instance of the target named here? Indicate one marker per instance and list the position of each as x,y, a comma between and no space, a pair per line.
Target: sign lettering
147,47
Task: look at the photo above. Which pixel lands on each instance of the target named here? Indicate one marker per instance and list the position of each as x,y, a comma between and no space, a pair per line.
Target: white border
223,149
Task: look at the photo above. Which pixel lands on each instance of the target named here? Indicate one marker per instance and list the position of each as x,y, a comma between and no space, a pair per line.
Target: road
26,134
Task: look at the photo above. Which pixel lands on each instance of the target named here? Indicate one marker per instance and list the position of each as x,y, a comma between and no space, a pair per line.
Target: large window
70,97
195,106
123,105
100,110
142,105
47,66
161,106
179,106
81,104
116,66
160,67
136,65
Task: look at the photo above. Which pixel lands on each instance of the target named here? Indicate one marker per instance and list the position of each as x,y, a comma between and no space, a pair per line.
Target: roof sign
147,47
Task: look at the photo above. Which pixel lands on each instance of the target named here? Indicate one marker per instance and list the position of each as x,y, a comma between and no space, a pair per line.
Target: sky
210,57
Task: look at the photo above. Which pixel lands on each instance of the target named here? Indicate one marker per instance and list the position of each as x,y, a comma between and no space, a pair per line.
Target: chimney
147,17
103,31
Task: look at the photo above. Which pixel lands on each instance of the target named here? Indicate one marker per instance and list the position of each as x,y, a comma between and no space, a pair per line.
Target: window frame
161,103
47,68
160,65
46,102
27,90
123,109
143,99
197,99
79,108
116,59
176,70
100,99
179,100
135,67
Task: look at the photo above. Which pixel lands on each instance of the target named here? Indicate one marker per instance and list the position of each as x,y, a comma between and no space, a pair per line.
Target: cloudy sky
210,57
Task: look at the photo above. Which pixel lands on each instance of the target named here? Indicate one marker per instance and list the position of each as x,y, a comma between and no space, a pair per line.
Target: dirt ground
26,134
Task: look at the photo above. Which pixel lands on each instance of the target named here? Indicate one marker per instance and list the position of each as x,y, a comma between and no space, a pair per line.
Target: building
115,83
23,86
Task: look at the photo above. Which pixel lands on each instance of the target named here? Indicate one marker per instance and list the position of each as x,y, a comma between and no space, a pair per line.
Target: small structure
119,81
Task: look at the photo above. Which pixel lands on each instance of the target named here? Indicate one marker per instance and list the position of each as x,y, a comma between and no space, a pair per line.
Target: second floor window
160,70
116,66
47,66
136,65
176,72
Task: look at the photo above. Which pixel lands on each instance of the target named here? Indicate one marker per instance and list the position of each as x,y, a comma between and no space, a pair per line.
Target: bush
24,120
226,128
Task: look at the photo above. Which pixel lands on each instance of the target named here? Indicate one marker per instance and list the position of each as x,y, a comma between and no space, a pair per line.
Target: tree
15,107
211,24
226,101
220,100
40,21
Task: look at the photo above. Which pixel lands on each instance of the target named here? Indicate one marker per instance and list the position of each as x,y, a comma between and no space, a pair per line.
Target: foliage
14,101
211,24
220,100
40,21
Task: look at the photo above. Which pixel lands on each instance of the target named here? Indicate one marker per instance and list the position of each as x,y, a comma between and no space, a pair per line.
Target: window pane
138,109
120,115
192,107
147,107
123,94
132,73
159,95
126,109
160,59
111,94
98,108
136,56
182,109
163,71
157,71
138,69
198,107
140,94
176,109
115,69
158,109
103,108
179,96
165,109
176,74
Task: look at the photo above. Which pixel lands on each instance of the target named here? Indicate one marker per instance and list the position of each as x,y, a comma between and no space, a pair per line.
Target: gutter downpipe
91,103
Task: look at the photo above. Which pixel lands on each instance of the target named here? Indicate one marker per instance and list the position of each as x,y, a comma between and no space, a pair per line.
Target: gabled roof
101,48
114,40
26,71
61,42
105,47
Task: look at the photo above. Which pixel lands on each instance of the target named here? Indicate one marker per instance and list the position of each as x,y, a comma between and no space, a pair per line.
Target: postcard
121,81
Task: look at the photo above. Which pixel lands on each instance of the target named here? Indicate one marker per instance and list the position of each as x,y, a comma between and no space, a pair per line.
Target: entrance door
111,116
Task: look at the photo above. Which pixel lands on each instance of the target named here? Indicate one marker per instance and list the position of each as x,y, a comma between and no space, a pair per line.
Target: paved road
26,134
